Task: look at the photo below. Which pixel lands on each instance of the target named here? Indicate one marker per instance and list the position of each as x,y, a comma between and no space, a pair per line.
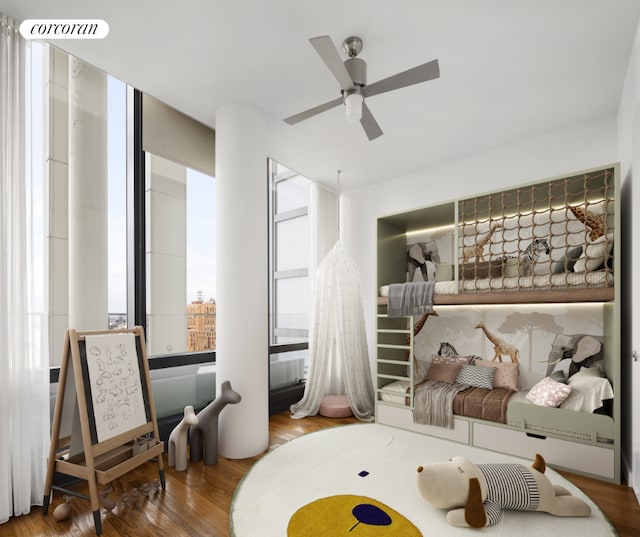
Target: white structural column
88,250
242,278
56,143
166,253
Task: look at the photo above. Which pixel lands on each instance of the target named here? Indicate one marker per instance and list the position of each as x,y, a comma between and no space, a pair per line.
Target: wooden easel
96,461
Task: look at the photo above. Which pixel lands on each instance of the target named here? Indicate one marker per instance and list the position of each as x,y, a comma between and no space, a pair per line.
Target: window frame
136,240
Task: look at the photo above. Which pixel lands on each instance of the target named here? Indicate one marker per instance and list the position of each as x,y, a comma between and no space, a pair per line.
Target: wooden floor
196,502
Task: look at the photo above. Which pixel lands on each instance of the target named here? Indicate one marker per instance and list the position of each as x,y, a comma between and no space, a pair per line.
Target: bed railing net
556,235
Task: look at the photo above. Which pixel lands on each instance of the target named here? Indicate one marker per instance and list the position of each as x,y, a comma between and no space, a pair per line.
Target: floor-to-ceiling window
289,278
117,201
177,208
180,258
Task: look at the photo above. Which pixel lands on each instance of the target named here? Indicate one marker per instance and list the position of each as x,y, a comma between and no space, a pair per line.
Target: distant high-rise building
201,325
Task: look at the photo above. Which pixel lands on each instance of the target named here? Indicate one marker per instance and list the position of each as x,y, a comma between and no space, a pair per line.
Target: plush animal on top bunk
422,255
476,494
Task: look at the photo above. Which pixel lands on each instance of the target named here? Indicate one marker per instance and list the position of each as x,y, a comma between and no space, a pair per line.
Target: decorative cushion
443,372
548,392
506,375
335,406
566,262
511,267
480,269
595,254
479,377
455,360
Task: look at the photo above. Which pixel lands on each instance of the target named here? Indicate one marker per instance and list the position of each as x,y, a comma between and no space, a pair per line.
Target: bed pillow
444,272
548,392
595,254
443,372
567,262
399,386
511,267
588,390
478,377
506,375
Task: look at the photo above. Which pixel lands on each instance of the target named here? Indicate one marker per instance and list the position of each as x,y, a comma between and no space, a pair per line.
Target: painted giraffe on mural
501,347
416,330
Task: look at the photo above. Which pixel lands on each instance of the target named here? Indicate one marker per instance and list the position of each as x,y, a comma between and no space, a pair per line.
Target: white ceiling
509,69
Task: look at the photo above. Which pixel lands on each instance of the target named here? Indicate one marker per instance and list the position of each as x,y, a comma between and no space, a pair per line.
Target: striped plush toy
476,494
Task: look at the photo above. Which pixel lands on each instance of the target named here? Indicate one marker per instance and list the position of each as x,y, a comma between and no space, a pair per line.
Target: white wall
629,155
166,255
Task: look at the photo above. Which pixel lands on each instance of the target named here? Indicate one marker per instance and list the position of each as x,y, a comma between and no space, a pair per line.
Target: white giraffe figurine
501,347
477,250
178,440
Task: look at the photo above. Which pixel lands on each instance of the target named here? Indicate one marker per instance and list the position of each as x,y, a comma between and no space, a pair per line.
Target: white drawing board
116,385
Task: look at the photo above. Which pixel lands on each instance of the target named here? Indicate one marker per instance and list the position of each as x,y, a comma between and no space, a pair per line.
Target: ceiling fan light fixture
353,104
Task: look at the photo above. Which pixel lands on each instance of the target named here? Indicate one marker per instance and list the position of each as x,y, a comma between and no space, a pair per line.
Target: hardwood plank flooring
196,502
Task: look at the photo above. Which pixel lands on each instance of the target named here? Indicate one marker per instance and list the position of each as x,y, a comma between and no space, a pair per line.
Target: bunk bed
578,218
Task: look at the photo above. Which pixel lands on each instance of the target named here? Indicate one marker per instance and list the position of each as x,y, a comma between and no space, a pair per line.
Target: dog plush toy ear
474,513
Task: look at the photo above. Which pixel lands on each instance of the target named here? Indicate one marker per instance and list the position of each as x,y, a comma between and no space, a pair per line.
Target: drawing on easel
116,387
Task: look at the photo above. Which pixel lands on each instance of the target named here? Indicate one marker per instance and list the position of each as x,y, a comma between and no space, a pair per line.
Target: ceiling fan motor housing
357,70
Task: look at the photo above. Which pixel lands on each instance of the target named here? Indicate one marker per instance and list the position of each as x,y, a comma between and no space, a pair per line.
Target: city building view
201,325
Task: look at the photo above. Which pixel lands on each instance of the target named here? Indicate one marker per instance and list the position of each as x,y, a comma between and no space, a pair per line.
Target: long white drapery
338,355
24,397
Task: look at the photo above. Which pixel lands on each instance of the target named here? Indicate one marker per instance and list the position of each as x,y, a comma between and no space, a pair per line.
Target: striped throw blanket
433,402
411,298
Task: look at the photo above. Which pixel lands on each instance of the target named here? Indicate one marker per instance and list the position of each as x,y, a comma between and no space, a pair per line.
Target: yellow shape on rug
349,515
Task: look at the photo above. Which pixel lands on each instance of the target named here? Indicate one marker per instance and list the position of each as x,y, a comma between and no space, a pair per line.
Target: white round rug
377,465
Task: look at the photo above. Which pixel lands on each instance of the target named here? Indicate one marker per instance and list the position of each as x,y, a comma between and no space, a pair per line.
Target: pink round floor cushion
335,406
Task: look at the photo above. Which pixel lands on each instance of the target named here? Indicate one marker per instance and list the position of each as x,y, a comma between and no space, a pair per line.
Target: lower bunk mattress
479,403
511,408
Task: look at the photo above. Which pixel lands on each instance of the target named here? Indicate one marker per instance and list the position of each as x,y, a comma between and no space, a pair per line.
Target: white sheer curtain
323,224
24,397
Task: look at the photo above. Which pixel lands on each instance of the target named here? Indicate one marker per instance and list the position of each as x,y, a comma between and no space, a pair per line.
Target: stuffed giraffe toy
595,222
477,250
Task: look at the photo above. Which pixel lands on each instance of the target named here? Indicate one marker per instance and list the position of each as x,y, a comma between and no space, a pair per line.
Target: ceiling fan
352,77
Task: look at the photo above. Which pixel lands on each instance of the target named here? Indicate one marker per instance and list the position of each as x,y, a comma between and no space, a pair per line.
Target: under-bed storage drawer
592,460
402,417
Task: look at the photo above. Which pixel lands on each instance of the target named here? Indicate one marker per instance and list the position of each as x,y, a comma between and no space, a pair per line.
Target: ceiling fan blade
327,51
292,120
369,124
421,73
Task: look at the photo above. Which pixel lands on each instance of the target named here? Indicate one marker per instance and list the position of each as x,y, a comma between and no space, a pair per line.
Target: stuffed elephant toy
582,349
422,255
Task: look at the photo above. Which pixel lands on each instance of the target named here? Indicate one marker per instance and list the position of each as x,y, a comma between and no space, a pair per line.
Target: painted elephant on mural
583,350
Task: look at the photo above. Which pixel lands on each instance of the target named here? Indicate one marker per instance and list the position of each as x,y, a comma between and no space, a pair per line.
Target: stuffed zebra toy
531,255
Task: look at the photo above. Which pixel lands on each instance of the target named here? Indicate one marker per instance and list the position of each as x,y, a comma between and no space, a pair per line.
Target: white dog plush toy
476,494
